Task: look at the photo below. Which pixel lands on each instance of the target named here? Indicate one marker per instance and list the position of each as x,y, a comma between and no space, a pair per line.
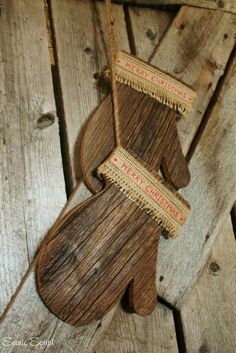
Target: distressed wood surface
212,194
32,189
208,315
148,28
34,319
82,54
210,50
225,5
46,324
134,334
195,50
175,283
71,270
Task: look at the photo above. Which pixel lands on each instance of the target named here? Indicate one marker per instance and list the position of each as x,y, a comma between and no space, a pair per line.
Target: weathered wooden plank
30,160
148,29
195,50
211,194
195,69
86,342
134,334
201,70
29,313
85,339
81,51
208,315
225,5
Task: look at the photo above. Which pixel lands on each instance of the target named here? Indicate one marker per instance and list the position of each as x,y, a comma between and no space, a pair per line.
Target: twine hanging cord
150,194
112,55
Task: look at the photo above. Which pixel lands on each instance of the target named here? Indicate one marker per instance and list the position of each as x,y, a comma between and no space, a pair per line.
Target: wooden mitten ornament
110,241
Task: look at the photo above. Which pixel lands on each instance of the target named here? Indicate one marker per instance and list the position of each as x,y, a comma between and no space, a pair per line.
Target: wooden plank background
208,312
30,159
82,55
209,37
225,5
132,333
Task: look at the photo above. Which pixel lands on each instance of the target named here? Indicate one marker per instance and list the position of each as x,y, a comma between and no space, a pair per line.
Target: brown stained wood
32,190
80,36
34,317
199,61
144,122
174,292
27,318
208,314
134,334
71,268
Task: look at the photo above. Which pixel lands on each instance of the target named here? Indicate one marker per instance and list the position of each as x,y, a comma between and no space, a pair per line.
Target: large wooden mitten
110,241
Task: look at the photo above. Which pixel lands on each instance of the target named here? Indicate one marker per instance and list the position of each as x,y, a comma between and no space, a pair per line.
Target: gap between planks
220,5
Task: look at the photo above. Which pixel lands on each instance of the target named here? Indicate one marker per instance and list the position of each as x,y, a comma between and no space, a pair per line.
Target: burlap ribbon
151,194
152,81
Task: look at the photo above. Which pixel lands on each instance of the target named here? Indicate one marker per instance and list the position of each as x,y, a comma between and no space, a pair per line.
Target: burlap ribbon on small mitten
152,194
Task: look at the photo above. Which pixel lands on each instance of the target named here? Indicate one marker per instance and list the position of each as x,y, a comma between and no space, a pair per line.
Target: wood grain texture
134,334
27,318
82,54
195,50
30,161
209,50
211,195
148,129
178,278
33,316
148,29
71,269
208,315
34,319
225,5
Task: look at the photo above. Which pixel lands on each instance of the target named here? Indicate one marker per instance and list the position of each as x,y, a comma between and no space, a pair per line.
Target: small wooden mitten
110,241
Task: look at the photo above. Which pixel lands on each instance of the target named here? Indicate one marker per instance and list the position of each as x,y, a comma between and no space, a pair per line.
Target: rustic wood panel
46,325
211,194
148,28
82,55
195,50
71,270
225,5
32,184
208,315
196,70
196,74
134,334
28,313
84,339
